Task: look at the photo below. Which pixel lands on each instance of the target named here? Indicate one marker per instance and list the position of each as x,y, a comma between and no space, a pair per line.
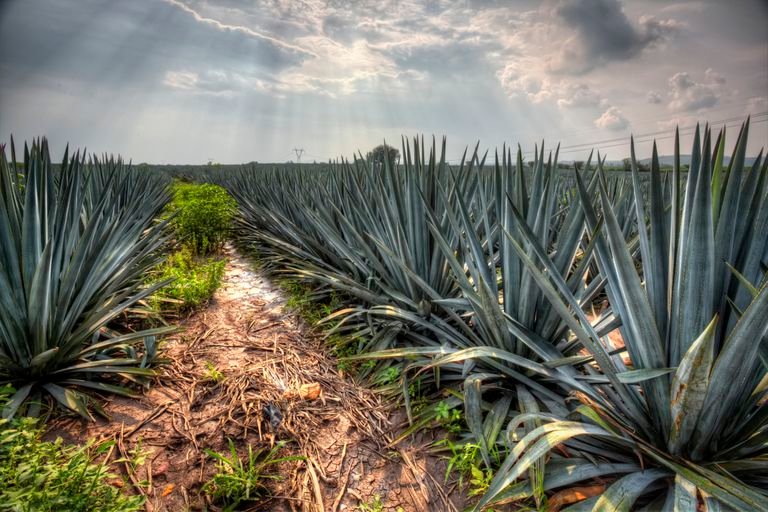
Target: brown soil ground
265,354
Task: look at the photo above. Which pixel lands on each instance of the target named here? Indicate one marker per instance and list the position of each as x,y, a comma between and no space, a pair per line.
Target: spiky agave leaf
74,243
708,425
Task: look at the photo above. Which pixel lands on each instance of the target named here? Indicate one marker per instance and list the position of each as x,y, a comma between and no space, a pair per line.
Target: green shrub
42,476
202,215
195,279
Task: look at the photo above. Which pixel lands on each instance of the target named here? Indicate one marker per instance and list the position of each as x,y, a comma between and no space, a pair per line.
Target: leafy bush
43,476
202,215
194,281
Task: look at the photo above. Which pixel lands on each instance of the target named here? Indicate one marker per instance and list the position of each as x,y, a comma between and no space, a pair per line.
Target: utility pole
299,152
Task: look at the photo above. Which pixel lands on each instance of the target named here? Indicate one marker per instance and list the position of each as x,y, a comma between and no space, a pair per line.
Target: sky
230,81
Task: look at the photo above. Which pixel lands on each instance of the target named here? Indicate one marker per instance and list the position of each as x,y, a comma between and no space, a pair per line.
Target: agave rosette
74,243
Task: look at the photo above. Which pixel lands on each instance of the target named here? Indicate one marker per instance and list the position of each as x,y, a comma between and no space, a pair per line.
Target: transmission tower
299,152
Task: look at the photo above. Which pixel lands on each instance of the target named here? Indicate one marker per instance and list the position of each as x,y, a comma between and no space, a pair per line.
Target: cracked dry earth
265,355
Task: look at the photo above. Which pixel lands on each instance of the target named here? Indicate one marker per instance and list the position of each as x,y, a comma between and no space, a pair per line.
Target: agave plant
361,229
497,354
74,243
694,324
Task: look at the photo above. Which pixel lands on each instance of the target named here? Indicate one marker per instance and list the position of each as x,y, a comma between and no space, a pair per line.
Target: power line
683,132
560,135
662,132
760,117
299,152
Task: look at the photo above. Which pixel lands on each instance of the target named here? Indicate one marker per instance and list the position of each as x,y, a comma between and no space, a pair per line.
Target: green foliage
464,457
304,300
480,480
193,281
375,504
42,476
237,481
212,373
382,152
388,375
202,215
450,418
74,245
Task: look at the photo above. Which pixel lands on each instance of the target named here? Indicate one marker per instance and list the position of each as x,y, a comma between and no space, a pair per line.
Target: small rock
160,469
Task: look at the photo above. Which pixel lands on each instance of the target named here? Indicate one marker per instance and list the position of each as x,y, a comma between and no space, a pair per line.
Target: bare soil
265,355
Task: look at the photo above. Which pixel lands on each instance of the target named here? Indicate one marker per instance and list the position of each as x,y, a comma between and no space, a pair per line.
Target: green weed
212,373
373,505
42,476
451,419
239,481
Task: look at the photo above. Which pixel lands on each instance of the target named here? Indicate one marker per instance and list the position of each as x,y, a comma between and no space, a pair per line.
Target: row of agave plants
76,241
502,281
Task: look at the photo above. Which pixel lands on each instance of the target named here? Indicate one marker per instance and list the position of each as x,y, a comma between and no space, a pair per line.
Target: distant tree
378,153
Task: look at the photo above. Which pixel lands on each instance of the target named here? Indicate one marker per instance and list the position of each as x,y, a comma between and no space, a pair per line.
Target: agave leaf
16,400
473,413
689,388
643,375
622,494
533,446
685,496
731,372
43,358
536,471
564,474
70,399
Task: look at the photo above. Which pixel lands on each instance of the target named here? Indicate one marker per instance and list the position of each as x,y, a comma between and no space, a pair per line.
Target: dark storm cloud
604,33
121,44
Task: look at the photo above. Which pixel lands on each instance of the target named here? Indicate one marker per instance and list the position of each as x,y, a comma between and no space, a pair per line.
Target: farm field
376,335
383,256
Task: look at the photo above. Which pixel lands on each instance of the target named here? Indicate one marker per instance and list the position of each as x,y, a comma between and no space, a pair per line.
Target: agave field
500,283
584,329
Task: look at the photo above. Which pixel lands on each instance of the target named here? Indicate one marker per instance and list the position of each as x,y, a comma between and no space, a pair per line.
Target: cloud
757,104
654,97
578,95
684,7
240,29
687,95
612,119
536,89
517,83
127,45
604,33
217,82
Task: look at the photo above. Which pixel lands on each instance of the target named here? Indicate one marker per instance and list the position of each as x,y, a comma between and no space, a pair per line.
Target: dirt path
264,355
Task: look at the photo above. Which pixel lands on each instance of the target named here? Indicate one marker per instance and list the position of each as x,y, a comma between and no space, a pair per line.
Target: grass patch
239,481
195,279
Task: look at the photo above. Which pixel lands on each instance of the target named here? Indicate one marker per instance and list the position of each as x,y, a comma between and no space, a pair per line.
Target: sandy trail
265,355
